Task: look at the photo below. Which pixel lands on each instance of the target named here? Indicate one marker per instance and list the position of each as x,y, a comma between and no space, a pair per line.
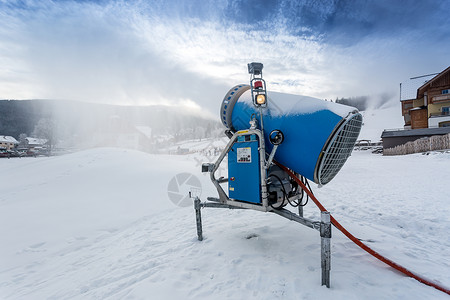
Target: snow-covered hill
98,224
375,121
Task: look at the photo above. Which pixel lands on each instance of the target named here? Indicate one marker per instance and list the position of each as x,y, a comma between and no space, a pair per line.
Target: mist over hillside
80,125
85,125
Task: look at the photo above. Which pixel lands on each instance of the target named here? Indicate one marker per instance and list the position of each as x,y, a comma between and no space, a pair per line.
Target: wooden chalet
425,108
431,106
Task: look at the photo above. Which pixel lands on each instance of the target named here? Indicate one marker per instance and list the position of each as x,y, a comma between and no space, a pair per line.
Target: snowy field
98,224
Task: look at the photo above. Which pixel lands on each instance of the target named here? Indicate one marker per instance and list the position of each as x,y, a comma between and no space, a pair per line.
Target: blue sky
191,52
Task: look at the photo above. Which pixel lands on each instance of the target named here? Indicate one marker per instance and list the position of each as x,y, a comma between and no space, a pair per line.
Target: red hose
361,244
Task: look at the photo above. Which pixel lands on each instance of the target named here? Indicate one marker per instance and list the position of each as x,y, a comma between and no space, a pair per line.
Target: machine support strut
324,227
198,217
325,238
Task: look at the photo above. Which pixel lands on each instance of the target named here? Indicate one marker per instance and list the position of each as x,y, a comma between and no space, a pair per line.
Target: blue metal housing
318,135
244,179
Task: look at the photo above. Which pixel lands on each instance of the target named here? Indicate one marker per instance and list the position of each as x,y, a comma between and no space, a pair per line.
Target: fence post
325,234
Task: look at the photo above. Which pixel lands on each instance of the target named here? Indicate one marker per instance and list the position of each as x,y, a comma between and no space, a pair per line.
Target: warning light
258,85
261,99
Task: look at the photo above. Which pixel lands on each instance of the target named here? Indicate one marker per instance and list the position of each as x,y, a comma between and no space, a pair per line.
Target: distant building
7,142
425,109
435,96
408,94
32,143
429,107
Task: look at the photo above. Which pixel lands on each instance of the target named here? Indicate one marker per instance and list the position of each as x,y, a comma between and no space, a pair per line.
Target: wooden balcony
440,114
441,98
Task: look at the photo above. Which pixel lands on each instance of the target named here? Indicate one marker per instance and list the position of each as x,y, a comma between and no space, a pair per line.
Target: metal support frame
212,168
198,218
324,227
300,211
325,241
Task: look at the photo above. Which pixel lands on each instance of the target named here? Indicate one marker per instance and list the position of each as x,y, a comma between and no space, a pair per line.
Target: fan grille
339,148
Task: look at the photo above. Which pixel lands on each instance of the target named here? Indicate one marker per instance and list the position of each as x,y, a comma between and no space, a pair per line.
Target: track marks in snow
102,267
38,247
153,252
280,261
159,255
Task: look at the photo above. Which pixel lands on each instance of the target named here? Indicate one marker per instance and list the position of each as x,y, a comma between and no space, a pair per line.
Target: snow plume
382,101
369,102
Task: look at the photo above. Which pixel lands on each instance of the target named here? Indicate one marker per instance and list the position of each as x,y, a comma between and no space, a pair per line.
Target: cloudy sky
191,52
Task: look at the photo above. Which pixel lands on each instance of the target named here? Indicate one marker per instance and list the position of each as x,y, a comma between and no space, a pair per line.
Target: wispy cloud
192,52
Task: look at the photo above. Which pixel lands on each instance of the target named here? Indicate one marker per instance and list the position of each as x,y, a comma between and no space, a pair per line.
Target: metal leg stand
198,216
300,211
324,226
325,234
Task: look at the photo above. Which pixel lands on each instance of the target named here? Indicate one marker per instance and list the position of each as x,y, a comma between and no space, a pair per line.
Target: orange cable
358,242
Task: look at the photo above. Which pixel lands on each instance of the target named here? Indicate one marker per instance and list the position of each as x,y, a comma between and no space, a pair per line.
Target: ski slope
388,116
98,224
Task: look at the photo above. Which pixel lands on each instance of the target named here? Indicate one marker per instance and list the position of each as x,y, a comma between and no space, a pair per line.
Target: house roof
416,132
409,88
8,139
35,141
421,89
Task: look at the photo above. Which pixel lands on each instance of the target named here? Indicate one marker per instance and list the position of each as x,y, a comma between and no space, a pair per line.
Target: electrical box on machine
244,171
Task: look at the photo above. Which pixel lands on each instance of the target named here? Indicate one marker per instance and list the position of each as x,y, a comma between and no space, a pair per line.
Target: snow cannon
276,143
270,132
318,135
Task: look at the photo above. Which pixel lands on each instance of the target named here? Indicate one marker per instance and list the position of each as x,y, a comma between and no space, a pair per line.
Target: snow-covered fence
436,142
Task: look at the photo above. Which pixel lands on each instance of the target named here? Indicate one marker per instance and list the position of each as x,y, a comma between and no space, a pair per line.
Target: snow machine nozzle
318,135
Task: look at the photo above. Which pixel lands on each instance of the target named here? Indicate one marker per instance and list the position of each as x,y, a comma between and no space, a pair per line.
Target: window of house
444,124
446,110
445,91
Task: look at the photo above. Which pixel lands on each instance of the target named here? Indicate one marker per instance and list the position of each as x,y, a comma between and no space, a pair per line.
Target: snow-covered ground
98,224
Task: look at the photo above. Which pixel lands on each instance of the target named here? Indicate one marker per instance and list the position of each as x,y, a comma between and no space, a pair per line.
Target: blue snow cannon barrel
318,135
